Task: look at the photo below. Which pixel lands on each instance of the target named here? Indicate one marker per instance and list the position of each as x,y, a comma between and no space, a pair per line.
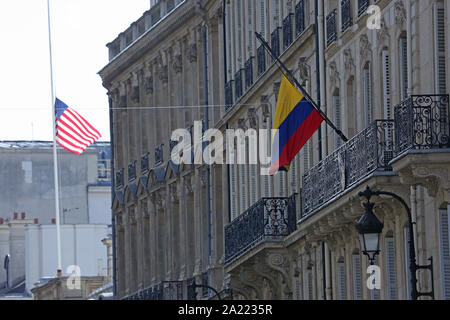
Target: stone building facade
384,83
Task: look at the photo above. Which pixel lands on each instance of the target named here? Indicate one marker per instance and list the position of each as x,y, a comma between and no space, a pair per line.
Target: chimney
2,220
16,215
23,215
53,221
36,221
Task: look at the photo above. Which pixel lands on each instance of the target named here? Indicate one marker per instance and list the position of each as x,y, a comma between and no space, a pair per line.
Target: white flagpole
55,157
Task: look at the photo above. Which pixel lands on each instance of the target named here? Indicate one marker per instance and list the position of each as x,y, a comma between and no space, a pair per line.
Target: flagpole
55,156
293,80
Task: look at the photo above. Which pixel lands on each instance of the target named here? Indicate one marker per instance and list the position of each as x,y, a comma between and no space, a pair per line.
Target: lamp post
369,229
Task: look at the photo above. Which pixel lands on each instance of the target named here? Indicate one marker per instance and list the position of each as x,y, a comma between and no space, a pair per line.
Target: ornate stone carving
188,184
173,189
241,124
400,14
365,48
163,74
192,53
334,75
348,60
383,32
276,88
149,84
177,63
265,107
134,96
304,69
253,118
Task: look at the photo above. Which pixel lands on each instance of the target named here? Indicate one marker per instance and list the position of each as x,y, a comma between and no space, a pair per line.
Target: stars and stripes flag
73,132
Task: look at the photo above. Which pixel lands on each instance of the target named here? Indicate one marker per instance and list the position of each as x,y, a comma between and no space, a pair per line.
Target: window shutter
297,289
337,119
239,33
368,95
262,17
233,191
444,244
403,68
391,293
386,84
357,289
305,156
375,293
293,176
310,285
282,184
407,257
342,290
253,185
243,183
439,47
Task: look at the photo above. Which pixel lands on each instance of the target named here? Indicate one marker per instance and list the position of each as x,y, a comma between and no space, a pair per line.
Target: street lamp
369,229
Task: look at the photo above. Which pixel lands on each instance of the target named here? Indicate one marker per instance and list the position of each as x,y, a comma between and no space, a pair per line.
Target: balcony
268,219
300,17
249,73
287,31
369,151
275,43
166,290
331,27
422,122
228,95
346,15
261,59
363,5
238,90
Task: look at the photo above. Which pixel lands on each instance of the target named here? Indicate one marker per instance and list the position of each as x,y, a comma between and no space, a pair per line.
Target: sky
80,31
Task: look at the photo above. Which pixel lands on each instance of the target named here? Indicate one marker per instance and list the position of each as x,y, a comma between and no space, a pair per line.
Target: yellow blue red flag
295,122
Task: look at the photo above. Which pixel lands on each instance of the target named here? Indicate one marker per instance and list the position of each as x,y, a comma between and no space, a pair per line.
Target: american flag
73,132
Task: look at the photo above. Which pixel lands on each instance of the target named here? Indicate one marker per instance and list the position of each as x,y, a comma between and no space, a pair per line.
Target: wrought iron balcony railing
249,73
275,43
238,90
346,14
368,151
166,290
363,5
422,122
228,95
300,17
331,27
261,60
268,219
287,31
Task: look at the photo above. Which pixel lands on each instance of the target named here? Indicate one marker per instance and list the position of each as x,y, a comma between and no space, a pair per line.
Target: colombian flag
295,122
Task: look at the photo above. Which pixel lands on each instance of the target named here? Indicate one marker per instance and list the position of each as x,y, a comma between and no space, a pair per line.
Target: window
439,48
391,279
444,251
